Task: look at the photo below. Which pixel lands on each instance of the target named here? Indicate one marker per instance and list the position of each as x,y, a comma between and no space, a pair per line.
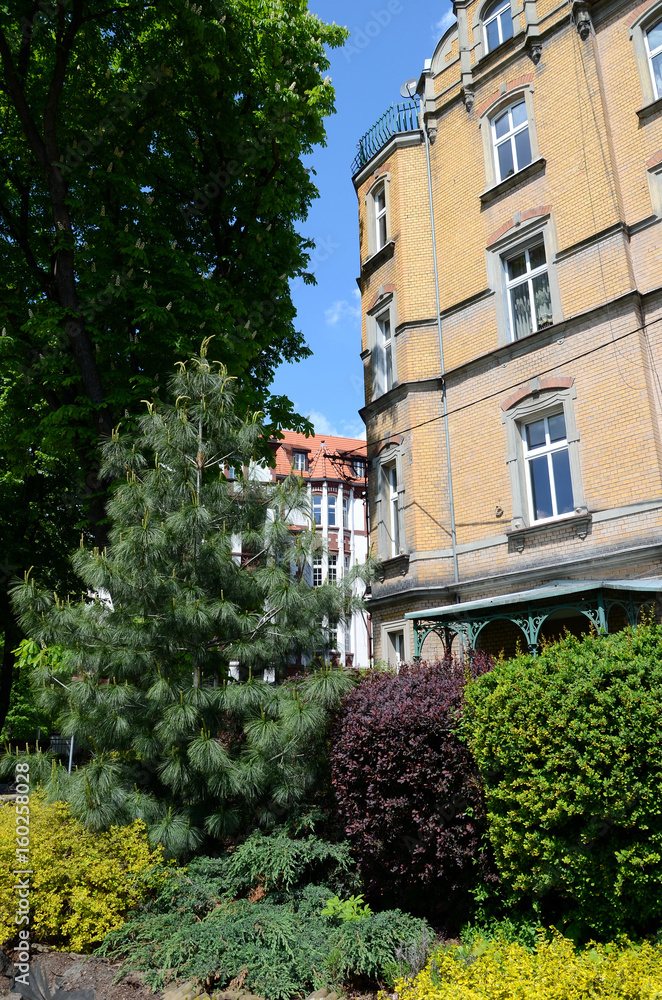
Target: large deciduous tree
200,570
151,185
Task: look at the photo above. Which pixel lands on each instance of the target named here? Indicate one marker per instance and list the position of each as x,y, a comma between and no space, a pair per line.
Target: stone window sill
518,537
649,110
536,167
396,566
383,254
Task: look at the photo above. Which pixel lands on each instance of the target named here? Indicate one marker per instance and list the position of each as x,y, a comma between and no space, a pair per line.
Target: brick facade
590,193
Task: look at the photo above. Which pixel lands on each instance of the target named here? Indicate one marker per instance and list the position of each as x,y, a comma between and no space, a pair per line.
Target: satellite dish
409,88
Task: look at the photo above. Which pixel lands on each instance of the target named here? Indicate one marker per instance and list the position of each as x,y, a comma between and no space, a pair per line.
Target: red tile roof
328,457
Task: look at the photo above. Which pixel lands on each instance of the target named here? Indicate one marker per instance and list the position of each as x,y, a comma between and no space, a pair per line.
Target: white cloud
442,25
322,424
346,428
343,310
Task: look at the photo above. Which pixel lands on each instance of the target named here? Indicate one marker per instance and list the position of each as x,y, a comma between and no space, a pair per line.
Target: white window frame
544,451
385,334
651,55
639,37
509,137
526,279
299,462
486,126
531,408
332,571
378,235
389,503
521,236
345,510
331,504
358,468
393,504
496,15
318,570
317,509
381,219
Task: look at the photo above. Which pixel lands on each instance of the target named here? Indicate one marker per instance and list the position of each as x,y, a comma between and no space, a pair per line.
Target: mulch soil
72,972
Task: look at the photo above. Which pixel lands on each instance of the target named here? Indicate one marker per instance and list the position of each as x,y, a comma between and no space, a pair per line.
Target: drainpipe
444,397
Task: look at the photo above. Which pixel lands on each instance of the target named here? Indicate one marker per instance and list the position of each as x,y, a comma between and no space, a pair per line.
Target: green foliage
278,863
142,678
287,948
569,747
552,970
82,884
353,908
25,717
168,145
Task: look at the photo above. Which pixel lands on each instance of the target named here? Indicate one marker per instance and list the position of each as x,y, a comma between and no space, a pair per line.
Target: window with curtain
529,298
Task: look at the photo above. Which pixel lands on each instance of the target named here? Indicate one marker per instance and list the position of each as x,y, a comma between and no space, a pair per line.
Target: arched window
512,145
497,24
654,51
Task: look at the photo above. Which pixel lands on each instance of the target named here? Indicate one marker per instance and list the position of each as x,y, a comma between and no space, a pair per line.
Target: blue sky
390,41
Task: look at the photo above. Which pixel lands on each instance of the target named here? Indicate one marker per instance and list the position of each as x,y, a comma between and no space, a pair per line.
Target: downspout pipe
444,397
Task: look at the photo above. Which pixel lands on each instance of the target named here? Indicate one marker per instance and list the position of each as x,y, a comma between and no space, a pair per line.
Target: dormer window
497,24
300,461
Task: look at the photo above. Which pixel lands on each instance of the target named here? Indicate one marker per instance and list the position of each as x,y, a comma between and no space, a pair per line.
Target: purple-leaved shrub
408,790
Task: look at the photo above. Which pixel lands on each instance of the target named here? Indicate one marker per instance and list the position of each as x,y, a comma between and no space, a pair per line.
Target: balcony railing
398,118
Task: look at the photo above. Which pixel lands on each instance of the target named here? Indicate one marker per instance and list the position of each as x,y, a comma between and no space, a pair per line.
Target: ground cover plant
553,969
139,671
569,747
82,884
276,932
408,790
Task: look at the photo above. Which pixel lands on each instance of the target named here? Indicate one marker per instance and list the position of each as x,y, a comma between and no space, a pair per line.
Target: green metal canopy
529,609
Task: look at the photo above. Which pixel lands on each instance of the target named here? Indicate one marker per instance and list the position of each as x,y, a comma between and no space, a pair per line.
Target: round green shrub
569,746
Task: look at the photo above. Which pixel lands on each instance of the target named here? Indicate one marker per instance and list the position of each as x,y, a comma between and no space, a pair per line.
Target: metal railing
398,118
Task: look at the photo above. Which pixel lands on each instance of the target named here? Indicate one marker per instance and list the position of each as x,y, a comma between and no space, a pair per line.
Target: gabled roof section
327,457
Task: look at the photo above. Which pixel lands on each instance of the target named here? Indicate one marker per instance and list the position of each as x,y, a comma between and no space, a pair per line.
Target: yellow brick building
513,405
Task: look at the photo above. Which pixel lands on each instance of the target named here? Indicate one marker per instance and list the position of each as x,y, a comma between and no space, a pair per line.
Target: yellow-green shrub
555,970
82,883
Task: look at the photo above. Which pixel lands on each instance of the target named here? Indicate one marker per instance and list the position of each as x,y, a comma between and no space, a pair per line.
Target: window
317,508
395,642
333,569
300,462
345,511
654,53
359,468
510,134
528,292
385,355
346,564
393,521
543,455
497,24
331,510
547,461
317,571
379,201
